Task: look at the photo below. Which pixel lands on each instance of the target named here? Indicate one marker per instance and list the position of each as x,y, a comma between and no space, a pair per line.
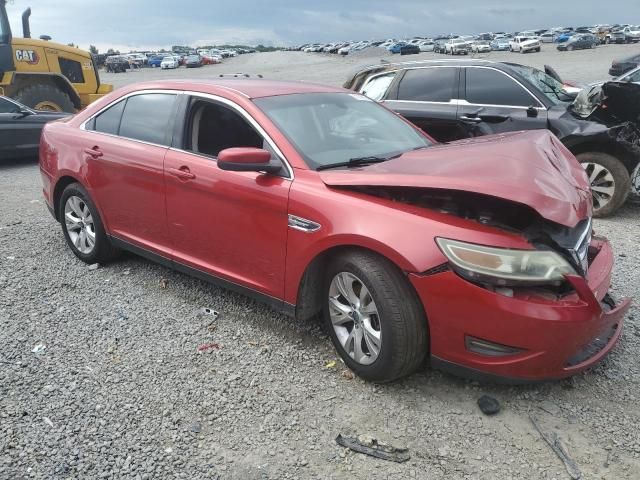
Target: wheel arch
607,146
20,80
62,183
309,286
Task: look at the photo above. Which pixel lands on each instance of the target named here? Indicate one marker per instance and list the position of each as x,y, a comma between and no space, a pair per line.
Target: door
427,97
124,148
19,133
232,225
494,102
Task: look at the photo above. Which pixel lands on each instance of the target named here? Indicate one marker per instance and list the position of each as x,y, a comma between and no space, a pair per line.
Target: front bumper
557,338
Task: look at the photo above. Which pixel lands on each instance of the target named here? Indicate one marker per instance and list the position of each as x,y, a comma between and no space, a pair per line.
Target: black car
579,41
618,67
116,64
20,128
453,100
409,49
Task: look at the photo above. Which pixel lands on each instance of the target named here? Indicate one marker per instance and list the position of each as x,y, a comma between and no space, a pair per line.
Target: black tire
33,95
621,178
538,49
402,321
103,250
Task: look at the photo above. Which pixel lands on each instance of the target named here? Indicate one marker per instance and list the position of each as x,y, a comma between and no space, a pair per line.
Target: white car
481,46
456,46
169,62
426,46
548,37
524,44
632,33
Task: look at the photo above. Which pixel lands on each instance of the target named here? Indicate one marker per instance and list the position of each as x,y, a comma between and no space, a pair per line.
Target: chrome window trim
395,72
250,120
455,101
207,96
540,105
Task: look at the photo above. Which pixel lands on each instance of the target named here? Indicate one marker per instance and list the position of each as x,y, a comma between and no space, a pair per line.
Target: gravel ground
116,387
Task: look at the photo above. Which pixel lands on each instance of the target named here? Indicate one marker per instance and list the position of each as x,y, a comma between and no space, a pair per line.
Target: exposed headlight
505,267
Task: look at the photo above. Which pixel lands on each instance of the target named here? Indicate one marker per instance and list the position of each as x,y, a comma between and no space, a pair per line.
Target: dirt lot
100,376
580,66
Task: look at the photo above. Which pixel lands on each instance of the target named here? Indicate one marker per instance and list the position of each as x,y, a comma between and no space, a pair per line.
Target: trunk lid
532,168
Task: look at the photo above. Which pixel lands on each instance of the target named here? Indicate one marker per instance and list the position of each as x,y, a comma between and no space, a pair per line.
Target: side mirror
532,112
246,159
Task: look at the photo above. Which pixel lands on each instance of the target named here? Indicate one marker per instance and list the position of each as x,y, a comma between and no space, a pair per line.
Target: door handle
467,119
182,173
93,152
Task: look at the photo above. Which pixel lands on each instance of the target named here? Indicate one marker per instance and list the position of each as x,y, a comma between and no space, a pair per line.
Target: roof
247,87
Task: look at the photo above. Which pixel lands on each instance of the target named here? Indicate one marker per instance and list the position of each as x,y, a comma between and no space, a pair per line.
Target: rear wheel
374,317
82,226
45,97
610,181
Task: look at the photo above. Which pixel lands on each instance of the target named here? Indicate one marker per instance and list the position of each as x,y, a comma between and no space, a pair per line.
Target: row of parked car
567,38
169,60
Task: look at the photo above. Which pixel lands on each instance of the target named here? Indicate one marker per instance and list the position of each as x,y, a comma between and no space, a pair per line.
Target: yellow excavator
45,75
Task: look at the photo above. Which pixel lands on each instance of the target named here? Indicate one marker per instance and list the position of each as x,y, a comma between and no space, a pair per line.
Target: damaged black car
451,100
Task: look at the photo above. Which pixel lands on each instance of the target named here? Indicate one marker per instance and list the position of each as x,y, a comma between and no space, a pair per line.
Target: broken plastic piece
208,347
39,348
371,446
488,405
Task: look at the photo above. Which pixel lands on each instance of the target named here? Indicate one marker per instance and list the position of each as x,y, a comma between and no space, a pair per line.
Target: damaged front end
612,117
572,243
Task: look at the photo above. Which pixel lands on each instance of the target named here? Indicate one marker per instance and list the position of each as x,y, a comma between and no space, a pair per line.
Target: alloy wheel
355,319
79,224
603,185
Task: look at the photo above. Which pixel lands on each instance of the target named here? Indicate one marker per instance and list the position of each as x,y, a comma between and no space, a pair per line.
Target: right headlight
505,267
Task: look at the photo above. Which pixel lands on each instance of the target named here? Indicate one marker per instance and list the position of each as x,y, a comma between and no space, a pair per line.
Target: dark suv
451,100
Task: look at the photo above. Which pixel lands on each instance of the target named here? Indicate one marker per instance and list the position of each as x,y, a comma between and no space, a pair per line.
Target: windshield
330,128
548,85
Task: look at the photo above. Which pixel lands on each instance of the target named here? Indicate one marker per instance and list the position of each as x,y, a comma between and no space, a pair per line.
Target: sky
152,24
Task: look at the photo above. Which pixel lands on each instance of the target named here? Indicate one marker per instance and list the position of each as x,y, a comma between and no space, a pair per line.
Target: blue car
396,47
155,61
564,37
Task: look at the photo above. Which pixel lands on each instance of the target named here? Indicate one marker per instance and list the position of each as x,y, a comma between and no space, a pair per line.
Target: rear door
427,97
124,148
495,102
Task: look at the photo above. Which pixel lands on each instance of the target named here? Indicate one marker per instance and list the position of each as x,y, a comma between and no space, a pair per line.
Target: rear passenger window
428,85
377,87
486,86
147,117
109,120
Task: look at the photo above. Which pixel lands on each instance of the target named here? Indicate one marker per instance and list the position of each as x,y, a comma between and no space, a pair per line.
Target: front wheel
42,96
610,181
374,317
82,226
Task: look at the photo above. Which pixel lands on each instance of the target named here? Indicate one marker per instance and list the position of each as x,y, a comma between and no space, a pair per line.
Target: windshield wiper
358,161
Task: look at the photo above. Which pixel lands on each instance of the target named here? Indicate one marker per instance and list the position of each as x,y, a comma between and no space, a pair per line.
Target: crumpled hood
616,100
532,168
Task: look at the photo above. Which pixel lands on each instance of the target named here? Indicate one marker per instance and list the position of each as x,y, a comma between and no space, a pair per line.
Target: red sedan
478,254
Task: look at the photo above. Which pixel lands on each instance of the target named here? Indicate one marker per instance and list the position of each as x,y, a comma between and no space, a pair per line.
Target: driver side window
213,127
